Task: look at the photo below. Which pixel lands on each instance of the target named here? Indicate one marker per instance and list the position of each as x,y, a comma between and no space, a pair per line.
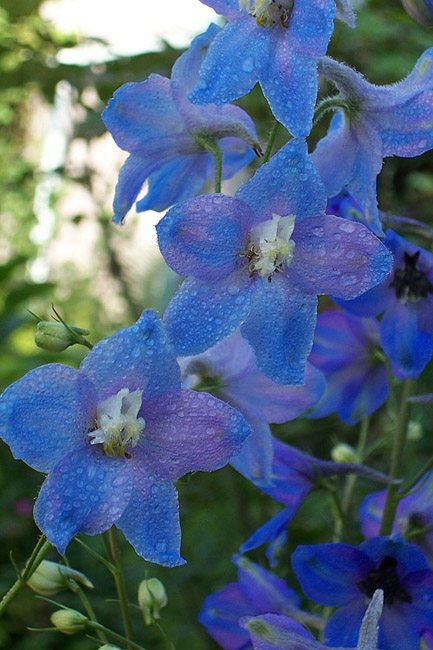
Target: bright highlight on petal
119,427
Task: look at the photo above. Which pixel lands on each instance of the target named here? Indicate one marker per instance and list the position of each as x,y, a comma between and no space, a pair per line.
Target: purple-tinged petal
236,156
419,613
201,313
343,627
329,573
398,624
335,155
406,344
137,357
233,64
174,182
280,329
338,257
372,302
86,492
284,85
188,431
220,614
204,236
151,520
345,13
255,459
143,118
264,591
370,514
287,184
276,632
46,414
132,175
409,557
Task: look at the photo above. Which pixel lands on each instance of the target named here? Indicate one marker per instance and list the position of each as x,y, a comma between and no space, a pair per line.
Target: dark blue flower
347,350
414,516
406,328
113,436
164,132
377,121
260,259
275,43
346,577
229,371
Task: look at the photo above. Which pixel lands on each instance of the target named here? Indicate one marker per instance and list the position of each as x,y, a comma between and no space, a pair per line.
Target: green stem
328,105
114,635
165,636
391,501
39,552
271,143
408,490
210,145
112,549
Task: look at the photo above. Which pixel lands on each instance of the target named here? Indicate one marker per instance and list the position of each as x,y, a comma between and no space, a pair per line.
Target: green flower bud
69,621
151,598
50,578
108,646
54,337
343,453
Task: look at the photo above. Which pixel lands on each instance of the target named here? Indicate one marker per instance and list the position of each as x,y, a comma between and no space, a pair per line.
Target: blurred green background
45,204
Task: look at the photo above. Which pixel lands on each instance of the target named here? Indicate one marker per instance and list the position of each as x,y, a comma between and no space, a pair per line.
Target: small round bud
54,336
69,621
50,578
151,598
343,453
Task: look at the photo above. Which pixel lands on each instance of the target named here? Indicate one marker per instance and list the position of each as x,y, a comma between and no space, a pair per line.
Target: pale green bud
108,646
50,578
414,431
54,337
151,598
343,453
69,621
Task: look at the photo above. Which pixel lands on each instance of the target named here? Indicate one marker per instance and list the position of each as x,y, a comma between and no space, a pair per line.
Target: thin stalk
114,635
75,587
270,144
408,490
391,501
111,545
328,105
39,552
165,636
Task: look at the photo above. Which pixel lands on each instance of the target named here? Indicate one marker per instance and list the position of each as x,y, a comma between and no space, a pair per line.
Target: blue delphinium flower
376,122
275,42
278,632
406,328
260,259
294,474
344,576
164,134
113,436
229,371
414,516
347,350
256,592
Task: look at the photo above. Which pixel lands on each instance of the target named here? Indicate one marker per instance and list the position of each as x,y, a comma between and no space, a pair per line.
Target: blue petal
329,573
86,492
343,627
204,236
280,329
188,431
233,64
201,313
255,460
270,531
175,181
137,357
264,591
142,117
220,614
409,557
407,345
370,514
46,414
151,520
228,8
287,184
338,257
276,632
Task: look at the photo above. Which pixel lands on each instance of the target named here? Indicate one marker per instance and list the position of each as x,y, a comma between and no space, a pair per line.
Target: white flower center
268,12
270,247
118,426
